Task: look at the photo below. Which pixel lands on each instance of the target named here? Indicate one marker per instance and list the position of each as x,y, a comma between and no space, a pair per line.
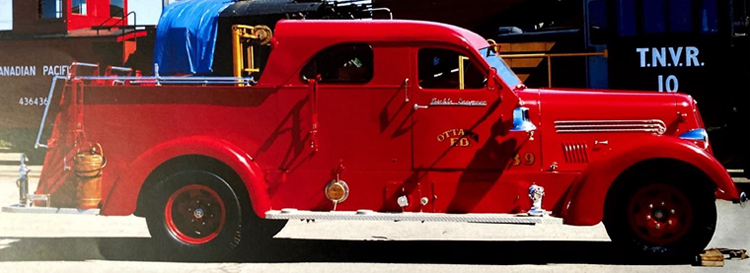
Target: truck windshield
503,70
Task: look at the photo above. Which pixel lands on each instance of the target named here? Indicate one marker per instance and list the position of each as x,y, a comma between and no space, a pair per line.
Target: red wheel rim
660,214
195,214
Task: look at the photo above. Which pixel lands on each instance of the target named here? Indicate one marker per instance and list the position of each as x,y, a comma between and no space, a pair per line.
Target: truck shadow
330,251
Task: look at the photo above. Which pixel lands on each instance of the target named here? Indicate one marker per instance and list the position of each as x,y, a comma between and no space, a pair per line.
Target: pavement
75,243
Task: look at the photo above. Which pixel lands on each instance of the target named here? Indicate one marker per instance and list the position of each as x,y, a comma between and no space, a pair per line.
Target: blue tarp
186,36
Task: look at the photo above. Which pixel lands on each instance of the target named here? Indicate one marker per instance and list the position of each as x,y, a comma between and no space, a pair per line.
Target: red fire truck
376,120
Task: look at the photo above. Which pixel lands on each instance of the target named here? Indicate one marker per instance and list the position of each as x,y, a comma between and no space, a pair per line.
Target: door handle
417,106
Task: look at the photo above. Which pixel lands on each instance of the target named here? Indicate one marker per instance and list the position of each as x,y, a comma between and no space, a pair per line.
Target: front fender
122,198
584,206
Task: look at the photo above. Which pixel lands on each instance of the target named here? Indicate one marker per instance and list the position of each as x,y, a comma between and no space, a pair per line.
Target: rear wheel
196,215
661,219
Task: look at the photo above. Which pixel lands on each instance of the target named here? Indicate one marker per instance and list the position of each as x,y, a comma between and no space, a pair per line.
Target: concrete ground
71,243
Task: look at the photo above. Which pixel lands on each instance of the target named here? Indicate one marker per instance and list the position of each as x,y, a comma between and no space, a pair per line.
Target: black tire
660,220
186,229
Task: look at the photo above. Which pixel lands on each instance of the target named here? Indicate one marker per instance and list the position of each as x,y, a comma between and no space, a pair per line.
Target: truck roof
376,30
299,40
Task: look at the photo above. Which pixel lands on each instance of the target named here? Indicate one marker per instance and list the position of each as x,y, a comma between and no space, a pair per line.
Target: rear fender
122,198
584,206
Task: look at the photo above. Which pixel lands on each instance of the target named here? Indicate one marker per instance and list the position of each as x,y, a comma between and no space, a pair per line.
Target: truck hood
594,105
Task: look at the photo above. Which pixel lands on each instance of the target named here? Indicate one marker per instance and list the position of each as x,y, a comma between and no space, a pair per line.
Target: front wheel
664,221
197,215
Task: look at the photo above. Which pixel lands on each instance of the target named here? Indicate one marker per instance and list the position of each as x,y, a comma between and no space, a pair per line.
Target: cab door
456,122
463,138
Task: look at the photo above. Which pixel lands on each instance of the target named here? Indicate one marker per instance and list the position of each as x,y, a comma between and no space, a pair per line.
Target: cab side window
347,63
447,69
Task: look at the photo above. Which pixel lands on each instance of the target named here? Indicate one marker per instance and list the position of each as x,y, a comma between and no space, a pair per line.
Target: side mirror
492,79
522,122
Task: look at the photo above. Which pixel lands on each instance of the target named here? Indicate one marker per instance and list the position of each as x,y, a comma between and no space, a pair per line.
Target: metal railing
549,57
46,110
243,48
160,80
116,24
390,13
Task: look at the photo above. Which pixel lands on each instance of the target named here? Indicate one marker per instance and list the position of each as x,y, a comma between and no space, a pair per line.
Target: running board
49,210
369,215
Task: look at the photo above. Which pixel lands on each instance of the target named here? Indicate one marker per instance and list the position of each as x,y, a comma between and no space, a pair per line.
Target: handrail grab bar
390,13
85,64
46,110
122,13
120,68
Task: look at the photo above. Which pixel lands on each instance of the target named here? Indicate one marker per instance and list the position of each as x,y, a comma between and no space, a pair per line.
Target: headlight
698,136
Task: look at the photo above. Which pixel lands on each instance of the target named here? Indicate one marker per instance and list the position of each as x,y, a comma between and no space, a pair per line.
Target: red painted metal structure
32,17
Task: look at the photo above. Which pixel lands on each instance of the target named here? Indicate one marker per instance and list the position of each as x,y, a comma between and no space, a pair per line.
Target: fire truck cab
379,120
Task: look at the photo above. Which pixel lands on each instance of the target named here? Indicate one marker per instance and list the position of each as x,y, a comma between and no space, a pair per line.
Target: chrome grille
575,152
654,126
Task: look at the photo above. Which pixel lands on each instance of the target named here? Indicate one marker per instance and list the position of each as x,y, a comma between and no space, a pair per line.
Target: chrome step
49,210
369,215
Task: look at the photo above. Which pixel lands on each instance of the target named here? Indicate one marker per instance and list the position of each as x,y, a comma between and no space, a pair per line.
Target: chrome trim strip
589,126
49,210
369,215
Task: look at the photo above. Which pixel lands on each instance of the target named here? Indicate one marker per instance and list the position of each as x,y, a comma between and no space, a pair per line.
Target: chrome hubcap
198,213
659,215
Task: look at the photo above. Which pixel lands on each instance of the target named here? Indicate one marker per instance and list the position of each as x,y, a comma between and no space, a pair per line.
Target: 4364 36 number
32,101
